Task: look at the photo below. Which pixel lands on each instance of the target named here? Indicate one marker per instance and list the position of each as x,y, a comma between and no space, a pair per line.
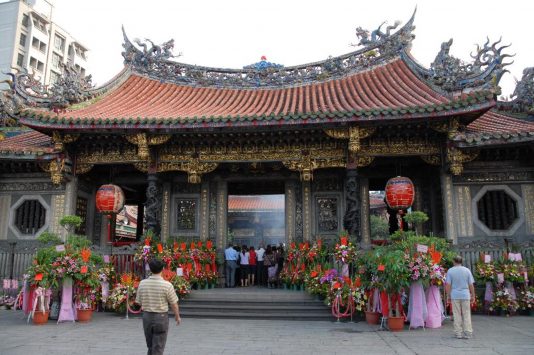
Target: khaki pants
461,310
156,326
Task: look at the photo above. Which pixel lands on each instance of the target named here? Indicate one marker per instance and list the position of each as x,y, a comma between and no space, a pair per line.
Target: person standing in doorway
155,295
252,262
461,292
261,274
243,265
230,255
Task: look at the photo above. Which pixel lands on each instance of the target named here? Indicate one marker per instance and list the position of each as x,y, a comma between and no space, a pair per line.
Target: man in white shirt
262,273
230,255
460,290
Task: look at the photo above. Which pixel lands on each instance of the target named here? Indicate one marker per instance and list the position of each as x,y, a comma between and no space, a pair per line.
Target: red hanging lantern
109,199
399,193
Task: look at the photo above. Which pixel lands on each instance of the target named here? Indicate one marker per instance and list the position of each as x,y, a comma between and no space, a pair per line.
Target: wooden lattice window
497,210
30,216
186,214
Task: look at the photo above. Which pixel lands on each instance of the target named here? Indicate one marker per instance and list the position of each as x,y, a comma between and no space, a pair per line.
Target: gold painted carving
56,168
109,157
399,146
141,166
165,215
307,165
83,168
431,159
60,140
194,168
142,141
450,127
457,158
353,134
364,161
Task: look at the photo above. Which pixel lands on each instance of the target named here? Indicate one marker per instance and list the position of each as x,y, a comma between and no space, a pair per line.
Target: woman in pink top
252,258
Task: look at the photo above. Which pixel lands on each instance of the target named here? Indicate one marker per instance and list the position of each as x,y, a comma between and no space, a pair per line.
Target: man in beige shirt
155,295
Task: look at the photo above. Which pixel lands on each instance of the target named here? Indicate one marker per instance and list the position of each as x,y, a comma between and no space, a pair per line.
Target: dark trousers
156,327
261,279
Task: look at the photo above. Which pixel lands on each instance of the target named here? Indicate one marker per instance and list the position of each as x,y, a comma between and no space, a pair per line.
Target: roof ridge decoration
523,95
378,47
25,90
452,74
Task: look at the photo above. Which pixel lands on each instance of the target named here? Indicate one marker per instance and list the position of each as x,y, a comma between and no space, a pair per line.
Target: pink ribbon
38,300
488,295
66,313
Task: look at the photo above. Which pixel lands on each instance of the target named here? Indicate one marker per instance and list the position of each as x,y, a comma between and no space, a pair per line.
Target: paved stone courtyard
112,334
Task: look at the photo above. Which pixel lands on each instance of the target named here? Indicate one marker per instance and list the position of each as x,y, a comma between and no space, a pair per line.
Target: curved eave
385,93
496,129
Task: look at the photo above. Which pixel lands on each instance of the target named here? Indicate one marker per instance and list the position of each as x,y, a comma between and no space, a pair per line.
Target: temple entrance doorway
256,213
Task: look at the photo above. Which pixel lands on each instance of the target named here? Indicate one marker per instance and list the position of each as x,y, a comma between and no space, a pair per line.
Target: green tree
379,227
417,218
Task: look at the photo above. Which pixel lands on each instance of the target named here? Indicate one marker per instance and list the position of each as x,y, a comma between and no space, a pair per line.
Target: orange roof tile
31,142
255,203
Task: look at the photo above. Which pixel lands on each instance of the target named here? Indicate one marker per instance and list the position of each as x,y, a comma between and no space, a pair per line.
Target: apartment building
30,39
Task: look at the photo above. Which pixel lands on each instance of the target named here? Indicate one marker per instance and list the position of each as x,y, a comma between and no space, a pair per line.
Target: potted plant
417,218
372,282
396,278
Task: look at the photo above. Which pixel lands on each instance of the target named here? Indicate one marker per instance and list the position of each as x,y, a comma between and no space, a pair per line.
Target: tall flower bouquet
344,252
437,275
124,291
419,266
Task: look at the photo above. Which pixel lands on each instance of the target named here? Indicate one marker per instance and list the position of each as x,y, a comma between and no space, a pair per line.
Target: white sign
60,248
106,258
515,257
421,248
179,271
487,259
500,278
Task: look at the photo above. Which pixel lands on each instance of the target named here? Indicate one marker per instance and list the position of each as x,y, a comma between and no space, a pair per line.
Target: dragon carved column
153,204
351,220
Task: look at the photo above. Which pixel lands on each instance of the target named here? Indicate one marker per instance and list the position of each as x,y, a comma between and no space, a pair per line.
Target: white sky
232,33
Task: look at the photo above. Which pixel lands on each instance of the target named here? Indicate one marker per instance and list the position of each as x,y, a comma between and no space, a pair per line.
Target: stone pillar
204,210
365,229
351,220
165,212
153,205
71,193
222,214
418,203
446,192
307,210
290,205
5,204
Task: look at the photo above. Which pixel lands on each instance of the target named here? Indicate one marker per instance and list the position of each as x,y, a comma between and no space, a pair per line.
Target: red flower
160,248
337,285
344,240
147,242
199,244
209,244
314,274
193,246
175,246
183,246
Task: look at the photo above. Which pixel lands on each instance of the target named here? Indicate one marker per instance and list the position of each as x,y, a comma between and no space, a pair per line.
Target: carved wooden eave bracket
60,140
432,159
194,168
143,141
449,127
308,164
57,169
353,134
457,158
86,160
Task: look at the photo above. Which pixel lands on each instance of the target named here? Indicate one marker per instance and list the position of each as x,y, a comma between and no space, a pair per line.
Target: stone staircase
254,303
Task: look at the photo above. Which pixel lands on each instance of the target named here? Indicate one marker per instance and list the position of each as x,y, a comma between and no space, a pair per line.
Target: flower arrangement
503,301
123,291
511,271
66,265
485,272
525,299
181,286
419,266
344,251
437,275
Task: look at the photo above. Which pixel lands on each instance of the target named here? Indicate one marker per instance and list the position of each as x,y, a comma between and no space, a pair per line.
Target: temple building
180,139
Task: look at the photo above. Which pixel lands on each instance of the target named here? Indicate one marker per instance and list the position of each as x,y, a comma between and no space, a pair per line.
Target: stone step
253,303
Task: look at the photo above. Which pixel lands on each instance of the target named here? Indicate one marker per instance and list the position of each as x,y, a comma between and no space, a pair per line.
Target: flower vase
84,315
206,286
40,317
293,287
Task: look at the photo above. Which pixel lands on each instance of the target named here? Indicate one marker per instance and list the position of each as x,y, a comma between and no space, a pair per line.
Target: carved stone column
153,205
365,229
222,214
447,195
351,220
306,210
290,207
71,193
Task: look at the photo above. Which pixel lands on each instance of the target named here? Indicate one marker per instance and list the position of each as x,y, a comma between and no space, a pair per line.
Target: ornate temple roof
29,144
